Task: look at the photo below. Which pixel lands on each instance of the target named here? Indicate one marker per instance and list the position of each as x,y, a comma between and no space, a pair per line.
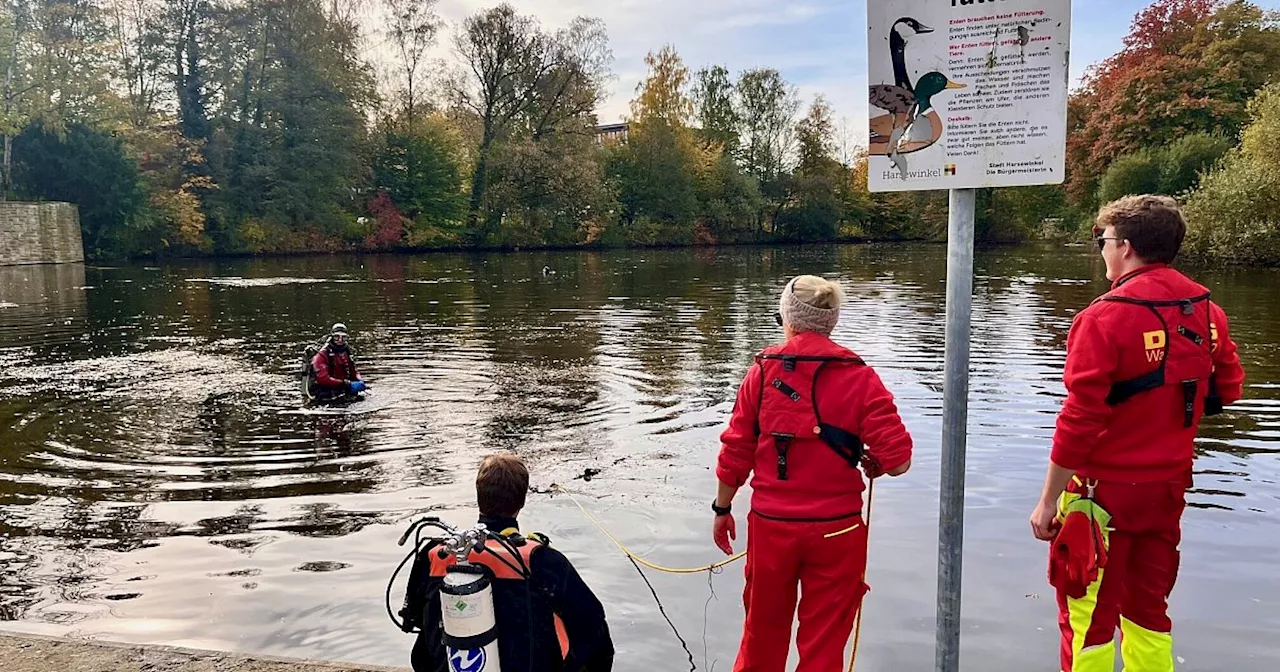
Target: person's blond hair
818,292
810,303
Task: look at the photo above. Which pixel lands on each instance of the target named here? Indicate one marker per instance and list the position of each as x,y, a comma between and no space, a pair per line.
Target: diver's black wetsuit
524,612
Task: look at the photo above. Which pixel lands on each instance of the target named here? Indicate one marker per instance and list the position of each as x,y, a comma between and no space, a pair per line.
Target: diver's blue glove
358,386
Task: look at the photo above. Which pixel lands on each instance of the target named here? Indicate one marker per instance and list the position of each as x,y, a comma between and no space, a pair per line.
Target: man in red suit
1145,362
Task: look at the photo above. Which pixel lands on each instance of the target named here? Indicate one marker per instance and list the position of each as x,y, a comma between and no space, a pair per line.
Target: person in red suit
808,413
334,367
1145,362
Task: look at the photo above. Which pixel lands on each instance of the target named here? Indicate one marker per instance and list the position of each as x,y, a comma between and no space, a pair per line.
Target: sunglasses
1102,241
777,317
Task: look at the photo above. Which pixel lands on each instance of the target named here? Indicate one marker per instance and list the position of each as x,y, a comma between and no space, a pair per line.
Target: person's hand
871,467
358,386
725,528
1044,521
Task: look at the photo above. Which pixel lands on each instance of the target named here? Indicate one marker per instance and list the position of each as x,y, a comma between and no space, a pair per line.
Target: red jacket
1150,435
819,483
334,368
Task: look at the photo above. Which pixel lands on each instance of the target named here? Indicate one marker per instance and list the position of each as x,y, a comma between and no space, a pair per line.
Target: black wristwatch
721,511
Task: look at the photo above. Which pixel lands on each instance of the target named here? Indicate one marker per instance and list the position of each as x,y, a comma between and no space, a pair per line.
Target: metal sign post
964,95
955,414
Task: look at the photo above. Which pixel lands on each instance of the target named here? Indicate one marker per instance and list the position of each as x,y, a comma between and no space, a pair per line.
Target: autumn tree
658,168
140,57
1187,66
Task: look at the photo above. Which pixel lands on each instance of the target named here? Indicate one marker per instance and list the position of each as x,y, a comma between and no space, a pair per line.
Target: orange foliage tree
1186,66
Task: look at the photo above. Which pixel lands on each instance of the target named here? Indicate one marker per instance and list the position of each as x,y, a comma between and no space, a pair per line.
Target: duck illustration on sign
912,123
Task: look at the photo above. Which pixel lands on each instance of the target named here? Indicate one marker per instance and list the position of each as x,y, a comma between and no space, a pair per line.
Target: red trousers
1132,591
783,556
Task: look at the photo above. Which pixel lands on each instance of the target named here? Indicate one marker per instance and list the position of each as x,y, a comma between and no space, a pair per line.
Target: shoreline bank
39,653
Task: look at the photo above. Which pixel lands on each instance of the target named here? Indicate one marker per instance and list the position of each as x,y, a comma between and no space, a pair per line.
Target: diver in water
549,619
333,371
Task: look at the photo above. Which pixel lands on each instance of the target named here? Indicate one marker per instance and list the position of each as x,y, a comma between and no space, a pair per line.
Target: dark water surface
156,485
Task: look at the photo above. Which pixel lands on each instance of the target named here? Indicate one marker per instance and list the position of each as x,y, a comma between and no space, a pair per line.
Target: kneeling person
550,622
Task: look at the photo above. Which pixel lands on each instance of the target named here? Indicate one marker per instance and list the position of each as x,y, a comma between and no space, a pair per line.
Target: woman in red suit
808,413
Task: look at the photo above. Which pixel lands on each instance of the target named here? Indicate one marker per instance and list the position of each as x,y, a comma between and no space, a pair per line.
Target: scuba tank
308,373
470,627
468,619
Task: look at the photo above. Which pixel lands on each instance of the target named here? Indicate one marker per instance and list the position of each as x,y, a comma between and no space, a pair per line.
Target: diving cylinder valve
470,628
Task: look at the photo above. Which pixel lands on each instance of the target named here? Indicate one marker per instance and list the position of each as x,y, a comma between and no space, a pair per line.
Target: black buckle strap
1213,402
1125,389
1197,338
470,643
782,443
1189,401
786,389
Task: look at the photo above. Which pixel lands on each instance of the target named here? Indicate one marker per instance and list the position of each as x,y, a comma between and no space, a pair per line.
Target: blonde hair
817,292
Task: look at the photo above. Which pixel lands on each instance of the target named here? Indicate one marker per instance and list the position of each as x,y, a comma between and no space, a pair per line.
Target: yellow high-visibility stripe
1145,650
1098,658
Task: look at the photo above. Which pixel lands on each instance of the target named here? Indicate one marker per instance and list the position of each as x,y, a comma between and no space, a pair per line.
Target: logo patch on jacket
1154,342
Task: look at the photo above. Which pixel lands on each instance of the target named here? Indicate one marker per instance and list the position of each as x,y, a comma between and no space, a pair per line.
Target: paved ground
25,653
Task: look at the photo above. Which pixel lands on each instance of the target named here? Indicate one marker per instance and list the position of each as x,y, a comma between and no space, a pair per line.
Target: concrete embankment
31,653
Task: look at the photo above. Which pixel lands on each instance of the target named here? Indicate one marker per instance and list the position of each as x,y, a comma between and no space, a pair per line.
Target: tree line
190,127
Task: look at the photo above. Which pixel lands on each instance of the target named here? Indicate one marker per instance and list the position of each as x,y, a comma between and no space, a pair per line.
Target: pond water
158,486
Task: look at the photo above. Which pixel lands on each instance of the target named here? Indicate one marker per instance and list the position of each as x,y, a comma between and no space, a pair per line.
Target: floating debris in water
322,566
588,474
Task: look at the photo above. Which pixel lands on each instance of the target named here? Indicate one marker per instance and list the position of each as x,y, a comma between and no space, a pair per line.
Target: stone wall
39,233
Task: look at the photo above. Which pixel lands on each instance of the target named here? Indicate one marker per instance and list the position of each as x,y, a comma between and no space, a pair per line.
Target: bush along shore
233,127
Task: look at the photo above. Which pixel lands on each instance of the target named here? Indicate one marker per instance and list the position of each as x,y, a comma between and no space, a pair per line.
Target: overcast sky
819,45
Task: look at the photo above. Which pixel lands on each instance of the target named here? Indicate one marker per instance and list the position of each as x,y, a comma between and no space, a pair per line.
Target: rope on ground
693,667
669,570
637,561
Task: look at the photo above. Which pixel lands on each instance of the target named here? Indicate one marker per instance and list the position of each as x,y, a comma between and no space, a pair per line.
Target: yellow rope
857,626
857,623
633,556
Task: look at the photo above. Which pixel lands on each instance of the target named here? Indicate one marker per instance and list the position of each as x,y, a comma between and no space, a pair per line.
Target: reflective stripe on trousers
1131,593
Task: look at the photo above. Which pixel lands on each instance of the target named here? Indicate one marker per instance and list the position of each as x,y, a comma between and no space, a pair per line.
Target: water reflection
158,484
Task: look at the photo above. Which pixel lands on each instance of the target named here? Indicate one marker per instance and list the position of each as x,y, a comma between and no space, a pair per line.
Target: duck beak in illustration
955,85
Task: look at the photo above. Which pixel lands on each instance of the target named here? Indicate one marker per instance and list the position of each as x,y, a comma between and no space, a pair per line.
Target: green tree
1171,169
1185,159
417,165
713,97
550,191
90,169
291,147
1136,173
521,82
1234,214
767,106
816,136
